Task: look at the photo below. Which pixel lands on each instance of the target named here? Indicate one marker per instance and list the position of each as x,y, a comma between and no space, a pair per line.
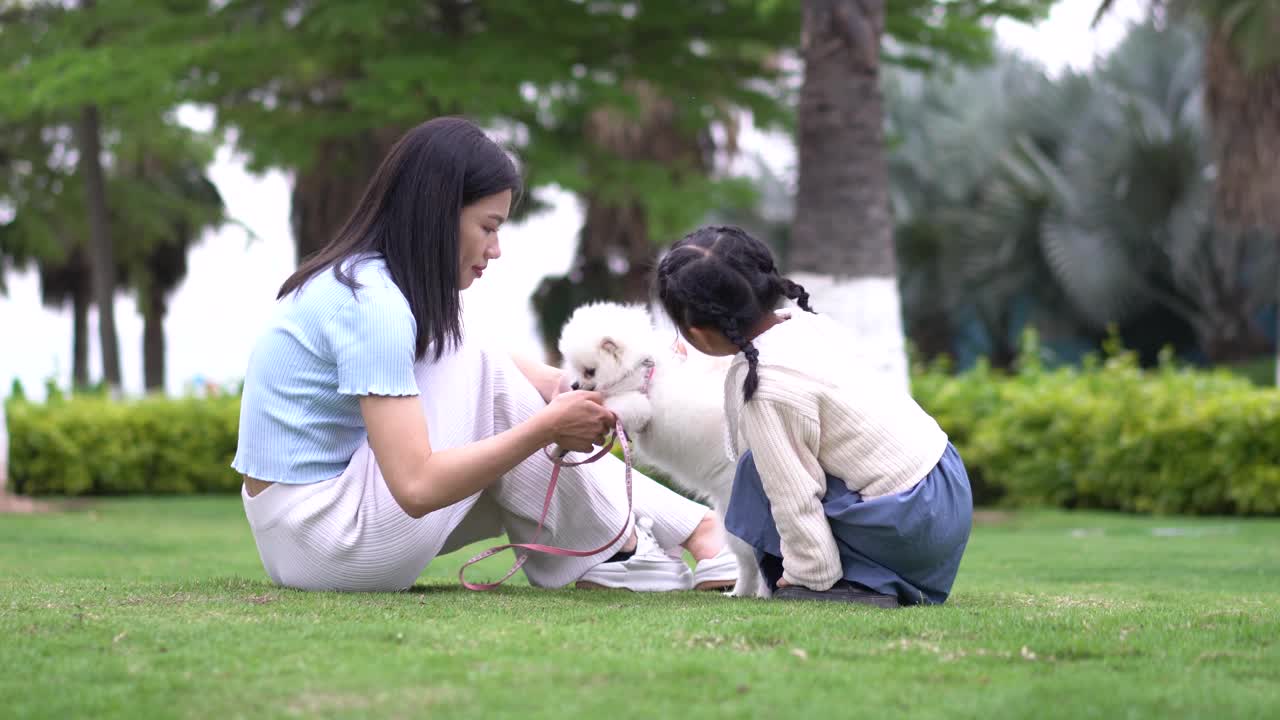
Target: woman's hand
577,420
422,480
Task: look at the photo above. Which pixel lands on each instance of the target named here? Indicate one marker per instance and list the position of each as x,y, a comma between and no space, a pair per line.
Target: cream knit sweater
815,413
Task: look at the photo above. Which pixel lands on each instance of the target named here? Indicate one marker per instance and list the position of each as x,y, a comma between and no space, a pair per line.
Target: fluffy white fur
678,427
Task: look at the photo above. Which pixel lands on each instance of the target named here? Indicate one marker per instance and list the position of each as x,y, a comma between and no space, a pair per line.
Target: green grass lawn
160,608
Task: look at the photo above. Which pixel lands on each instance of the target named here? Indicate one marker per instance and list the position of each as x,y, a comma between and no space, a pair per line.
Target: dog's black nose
576,386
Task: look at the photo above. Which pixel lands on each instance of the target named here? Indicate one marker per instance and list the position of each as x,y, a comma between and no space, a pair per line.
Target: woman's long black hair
721,277
410,215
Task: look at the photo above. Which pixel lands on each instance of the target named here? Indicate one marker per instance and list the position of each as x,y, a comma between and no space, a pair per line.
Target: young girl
847,490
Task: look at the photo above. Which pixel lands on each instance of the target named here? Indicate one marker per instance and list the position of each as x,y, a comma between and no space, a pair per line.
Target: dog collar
648,378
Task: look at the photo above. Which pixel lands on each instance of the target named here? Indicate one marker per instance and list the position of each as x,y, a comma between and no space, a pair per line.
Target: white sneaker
650,569
717,573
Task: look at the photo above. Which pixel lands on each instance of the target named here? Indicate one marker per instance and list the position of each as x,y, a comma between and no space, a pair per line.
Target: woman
374,436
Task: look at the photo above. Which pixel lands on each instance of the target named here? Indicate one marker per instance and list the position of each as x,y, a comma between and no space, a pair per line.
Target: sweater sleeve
783,443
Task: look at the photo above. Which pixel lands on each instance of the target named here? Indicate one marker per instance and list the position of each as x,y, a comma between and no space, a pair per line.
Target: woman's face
478,235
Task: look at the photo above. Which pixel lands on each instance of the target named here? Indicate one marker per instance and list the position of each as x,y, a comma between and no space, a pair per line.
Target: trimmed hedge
89,445
1105,435
1109,435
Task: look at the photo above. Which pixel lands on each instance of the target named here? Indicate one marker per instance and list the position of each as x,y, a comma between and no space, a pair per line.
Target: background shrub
1103,435
92,445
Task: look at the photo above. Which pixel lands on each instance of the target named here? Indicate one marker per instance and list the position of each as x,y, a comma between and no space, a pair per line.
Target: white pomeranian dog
671,405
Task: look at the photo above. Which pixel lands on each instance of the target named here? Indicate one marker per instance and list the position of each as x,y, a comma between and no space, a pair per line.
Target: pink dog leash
534,546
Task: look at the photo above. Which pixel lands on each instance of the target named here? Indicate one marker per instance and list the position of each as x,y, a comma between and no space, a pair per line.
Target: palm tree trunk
1244,114
4,451
81,298
153,311
325,193
842,247
101,252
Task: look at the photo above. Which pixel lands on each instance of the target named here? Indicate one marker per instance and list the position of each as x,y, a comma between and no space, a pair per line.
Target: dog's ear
608,345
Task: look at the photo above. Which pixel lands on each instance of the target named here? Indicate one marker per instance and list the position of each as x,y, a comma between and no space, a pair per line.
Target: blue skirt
908,545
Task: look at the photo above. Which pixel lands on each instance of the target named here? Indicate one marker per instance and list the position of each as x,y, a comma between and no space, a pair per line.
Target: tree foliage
320,88
104,76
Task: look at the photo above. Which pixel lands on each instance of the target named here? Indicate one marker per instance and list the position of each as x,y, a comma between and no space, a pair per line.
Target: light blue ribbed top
325,346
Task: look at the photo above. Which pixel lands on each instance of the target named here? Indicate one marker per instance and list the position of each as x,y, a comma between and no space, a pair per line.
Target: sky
217,313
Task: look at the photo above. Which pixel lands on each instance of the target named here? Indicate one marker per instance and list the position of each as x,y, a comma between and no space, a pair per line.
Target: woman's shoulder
376,297
364,279
370,271
325,304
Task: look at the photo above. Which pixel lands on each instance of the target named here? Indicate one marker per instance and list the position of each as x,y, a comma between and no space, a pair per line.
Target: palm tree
165,203
1133,226
48,227
70,281
1242,74
1242,91
101,250
101,244
969,204
841,245
1085,202
161,202
158,271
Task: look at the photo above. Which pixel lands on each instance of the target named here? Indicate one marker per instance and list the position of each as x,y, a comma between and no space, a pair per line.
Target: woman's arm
545,378
422,481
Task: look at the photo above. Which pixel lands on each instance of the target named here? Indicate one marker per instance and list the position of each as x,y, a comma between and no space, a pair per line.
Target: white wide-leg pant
348,533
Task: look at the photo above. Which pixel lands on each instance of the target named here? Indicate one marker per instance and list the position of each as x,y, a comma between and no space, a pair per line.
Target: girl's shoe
842,591
716,573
